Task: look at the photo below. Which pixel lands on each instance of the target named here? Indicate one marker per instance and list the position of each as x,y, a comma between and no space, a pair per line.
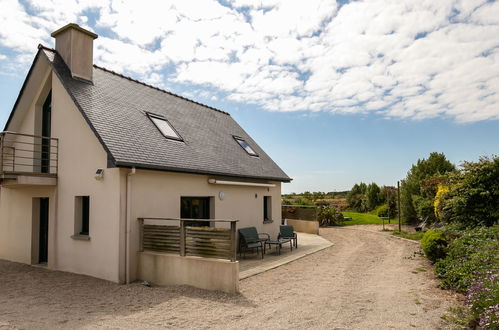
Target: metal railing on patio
156,234
28,154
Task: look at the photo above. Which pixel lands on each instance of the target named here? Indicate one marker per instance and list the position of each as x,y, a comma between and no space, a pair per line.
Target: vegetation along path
365,281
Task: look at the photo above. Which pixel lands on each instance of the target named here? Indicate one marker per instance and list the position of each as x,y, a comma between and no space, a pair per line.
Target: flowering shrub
483,299
489,319
441,191
472,253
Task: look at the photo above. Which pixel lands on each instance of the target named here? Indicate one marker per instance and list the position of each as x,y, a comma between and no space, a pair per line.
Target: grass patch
417,236
364,219
418,270
458,318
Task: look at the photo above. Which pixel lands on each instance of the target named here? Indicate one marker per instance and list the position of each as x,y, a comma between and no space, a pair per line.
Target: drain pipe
128,224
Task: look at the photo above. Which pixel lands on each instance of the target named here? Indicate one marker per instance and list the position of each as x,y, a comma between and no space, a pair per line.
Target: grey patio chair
288,232
249,238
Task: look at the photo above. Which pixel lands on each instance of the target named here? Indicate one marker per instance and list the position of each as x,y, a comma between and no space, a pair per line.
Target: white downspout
128,224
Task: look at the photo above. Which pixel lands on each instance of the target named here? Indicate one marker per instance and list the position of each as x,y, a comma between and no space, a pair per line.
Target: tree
415,200
317,195
356,197
373,197
472,198
389,196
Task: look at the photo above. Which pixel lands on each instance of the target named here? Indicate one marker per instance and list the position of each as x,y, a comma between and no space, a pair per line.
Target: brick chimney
76,46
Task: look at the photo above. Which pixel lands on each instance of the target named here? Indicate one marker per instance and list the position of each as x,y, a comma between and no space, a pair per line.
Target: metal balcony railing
26,154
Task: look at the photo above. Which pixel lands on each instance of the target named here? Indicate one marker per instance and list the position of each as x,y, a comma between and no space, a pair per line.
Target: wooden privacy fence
186,240
300,212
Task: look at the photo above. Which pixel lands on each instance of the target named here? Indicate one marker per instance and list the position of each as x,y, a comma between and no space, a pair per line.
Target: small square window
82,216
245,146
164,127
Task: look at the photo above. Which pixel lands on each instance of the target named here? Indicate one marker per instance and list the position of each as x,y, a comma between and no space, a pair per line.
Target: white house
86,152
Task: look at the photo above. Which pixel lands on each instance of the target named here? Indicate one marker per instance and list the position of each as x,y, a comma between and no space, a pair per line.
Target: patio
307,244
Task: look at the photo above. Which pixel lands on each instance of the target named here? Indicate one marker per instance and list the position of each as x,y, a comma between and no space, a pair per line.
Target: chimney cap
74,26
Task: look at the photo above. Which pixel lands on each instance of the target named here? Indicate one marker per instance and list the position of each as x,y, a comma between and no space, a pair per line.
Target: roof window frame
238,138
151,115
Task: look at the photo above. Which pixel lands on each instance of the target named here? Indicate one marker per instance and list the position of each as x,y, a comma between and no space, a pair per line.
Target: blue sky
336,93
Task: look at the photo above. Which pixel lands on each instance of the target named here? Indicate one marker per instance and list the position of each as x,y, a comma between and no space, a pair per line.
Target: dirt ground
365,281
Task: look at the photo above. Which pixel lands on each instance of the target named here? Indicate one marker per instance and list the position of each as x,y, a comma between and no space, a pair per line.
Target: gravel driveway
365,281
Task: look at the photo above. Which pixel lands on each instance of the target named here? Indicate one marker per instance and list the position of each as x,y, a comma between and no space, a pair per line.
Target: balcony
27,159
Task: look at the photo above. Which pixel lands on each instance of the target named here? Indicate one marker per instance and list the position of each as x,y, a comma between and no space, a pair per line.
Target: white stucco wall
16,203
80,155
157,194
16,217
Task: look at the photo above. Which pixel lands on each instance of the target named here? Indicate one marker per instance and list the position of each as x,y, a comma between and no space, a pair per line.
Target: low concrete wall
203,273
304,226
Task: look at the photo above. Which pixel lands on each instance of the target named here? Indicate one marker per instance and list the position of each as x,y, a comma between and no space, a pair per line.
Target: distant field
363,219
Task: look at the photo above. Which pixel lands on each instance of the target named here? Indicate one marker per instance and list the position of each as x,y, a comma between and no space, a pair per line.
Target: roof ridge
159,89
40,46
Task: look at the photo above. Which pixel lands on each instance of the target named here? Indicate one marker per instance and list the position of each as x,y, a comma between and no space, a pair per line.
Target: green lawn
364,219
417,236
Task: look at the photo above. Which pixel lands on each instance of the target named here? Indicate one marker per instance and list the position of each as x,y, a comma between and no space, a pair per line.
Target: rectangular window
195,208
267,208
164,127
82,215
245,146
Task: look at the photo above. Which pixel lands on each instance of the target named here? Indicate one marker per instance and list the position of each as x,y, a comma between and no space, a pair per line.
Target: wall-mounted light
99,174
221,195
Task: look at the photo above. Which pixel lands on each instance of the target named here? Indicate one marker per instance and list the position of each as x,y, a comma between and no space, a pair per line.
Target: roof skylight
164,127
245,146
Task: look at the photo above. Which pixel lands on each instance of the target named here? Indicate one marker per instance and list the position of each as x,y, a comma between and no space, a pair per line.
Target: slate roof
115,107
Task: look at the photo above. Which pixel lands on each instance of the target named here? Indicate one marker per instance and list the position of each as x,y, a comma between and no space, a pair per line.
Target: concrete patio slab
307,244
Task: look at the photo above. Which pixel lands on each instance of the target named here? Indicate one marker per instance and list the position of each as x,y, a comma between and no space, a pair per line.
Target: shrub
304,202
483,300
474,252
418,189
473,196
382,211
434,245
328,216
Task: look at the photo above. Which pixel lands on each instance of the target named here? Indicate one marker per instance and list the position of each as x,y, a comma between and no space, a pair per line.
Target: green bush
473,196
382,211
304,202
434,245
474,252
329,216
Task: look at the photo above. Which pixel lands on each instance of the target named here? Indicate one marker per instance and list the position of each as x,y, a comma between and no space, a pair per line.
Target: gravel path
365,281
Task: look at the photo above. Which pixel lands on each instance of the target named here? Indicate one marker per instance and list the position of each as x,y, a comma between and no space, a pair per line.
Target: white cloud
400,59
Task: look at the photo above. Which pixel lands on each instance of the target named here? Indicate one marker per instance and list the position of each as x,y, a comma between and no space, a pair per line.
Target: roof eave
110,156
201,172
21,92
